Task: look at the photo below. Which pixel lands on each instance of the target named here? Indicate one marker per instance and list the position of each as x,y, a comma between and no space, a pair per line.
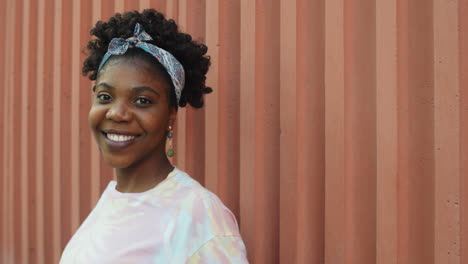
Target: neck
144,175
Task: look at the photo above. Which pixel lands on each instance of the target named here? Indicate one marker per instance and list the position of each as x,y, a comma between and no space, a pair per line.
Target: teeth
119,138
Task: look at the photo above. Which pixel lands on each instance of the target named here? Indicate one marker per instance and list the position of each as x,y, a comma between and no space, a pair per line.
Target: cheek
95,116
155,124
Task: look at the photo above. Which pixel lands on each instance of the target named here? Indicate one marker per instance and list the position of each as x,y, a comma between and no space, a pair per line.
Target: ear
172,117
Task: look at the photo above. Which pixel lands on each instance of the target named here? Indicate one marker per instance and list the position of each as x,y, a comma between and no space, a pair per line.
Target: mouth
118,140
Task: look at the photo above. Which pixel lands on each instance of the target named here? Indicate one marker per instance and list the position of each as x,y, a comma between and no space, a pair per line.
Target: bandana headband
119,46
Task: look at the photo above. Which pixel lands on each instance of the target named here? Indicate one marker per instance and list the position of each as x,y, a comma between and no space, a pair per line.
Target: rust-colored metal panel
211,102
65,123
195,120
6,150
463,127
3,135
359,131
16,128
288,120
336,131
247,124
24,146
267,132
131,5
32,128
48,134
415,132
84,137
228,103
310,134
446,134
386,133
159,5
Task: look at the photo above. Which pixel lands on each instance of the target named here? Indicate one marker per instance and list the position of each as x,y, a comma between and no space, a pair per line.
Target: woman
144,69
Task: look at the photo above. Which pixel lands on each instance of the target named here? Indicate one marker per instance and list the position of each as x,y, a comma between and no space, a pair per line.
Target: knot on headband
119,46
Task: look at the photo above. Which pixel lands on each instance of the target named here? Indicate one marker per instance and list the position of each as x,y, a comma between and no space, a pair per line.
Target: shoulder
205,207
214,226
221,249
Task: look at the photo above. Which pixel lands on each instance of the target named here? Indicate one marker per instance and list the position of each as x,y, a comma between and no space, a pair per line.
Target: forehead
128,72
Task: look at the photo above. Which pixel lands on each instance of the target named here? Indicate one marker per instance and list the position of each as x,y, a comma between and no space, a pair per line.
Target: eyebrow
145,88
134,89
106,85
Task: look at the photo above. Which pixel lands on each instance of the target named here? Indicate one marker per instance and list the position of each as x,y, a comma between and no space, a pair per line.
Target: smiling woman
144,70
130,116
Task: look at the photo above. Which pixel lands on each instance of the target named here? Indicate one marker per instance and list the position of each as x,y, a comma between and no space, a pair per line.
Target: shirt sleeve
220,249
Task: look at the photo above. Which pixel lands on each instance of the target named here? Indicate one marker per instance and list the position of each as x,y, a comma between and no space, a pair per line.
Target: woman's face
130,113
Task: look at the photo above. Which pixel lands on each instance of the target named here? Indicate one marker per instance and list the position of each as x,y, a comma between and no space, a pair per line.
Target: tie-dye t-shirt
178,221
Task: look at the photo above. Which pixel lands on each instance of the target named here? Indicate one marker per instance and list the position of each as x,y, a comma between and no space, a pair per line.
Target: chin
118,163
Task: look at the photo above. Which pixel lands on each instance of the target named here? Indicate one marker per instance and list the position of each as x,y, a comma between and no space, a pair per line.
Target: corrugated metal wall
337,131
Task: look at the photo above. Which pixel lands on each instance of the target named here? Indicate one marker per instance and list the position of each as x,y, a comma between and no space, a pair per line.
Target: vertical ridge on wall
360,134
54,196
2,132
32,128
334,132
463,128
25,235
131,5
403,249
288,237
415,132
119,6
446,134
39,135
386,125
229,105
10,126
84,105
65,123
247,125
211,100
178,13
16,128
310,110
159,5
195,119
7,146
267,131
180,127
47,133
74,139
144,4
3,136
6,224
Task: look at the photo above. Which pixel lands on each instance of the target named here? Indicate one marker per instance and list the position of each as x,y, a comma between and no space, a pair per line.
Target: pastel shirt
178,221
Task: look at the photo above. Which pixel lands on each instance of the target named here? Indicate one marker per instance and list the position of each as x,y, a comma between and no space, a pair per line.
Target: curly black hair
167,36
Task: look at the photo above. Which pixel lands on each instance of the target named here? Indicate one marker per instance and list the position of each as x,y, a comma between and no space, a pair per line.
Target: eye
103,97
143,101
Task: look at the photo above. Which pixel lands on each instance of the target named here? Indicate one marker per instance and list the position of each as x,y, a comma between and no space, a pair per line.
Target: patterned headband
119,46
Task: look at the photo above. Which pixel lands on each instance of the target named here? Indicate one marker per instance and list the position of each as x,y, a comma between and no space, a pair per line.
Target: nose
119,112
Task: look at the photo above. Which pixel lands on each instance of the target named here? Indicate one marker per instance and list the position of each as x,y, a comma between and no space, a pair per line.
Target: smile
117,140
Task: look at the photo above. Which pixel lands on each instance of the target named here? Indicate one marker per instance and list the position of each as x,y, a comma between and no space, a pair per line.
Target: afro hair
167,36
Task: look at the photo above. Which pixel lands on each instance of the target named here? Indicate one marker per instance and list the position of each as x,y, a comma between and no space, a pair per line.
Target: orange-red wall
337,131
